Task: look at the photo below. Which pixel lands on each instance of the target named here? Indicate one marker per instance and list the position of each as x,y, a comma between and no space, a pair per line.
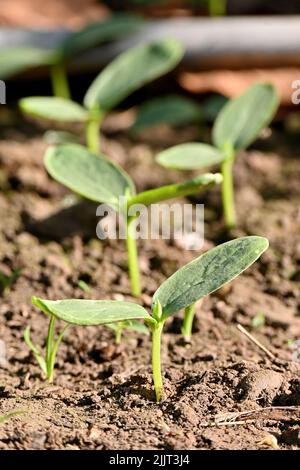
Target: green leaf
92,176
53,109
208,273
133,325
174,110
242,119
92,312
16,60
116,26
132,70
190,156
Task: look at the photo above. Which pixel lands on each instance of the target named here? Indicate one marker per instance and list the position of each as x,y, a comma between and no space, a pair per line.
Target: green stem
133,262
49,348
93,134
118,335
59,80
194,186
228,189
217,7
187,325
156,360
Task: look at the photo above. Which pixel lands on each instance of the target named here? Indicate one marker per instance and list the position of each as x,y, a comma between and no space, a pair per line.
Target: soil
221,390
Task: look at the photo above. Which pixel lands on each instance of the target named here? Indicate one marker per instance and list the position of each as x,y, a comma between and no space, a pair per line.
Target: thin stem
133,262
187,325
156,360
93,134
59,81
228,189
118,335
49,348
55,348
194,186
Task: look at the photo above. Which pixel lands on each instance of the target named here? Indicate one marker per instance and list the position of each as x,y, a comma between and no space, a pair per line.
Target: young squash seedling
98,179
195,280
124,75
16,60
237,126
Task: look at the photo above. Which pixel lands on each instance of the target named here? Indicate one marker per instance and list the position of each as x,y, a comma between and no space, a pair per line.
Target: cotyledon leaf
208,273
190,156
15,60
92,176
92,312
130,71
113,27
53,109
241,119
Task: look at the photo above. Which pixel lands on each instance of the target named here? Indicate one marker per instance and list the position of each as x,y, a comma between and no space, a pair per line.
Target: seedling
97,178
124,75
195,280
258,321
11,414
7,280
237,126
16,60
175,110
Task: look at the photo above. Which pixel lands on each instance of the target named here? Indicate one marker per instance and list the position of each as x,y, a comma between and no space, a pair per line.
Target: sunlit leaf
92,312
130,71
53,109
190,156
241,120
208,273
92,176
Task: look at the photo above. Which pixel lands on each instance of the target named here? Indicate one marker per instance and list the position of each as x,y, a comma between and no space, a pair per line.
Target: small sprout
132,325
237,126
46,363
11,414
195,280
171,109
127,73
84,286
15,60
100,180
6,281
258,321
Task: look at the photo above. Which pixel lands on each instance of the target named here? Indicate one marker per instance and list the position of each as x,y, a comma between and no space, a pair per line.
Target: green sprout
6,281
98,179
11,414
259,320
237,126
20,59
127,73
192,282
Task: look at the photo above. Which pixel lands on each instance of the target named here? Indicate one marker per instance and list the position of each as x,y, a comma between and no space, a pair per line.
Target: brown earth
221,391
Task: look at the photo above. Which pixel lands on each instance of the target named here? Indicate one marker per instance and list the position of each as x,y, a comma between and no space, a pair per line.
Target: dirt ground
221,391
